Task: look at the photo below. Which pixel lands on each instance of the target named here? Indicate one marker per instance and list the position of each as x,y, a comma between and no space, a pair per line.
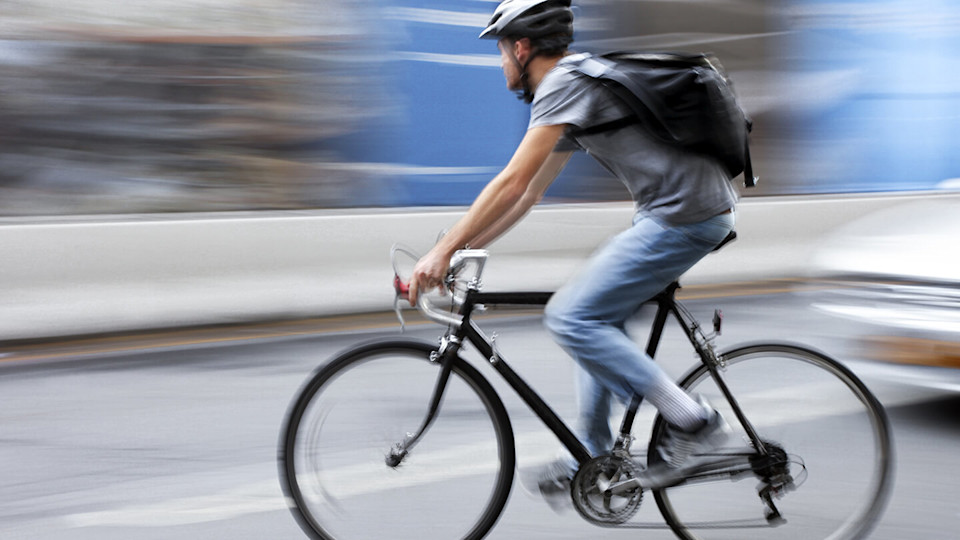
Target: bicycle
351,469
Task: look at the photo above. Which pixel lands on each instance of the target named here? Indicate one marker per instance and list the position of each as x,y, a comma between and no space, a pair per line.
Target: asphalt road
175,435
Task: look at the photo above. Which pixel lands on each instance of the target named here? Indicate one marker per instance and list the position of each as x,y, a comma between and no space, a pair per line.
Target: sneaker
680,449
552,483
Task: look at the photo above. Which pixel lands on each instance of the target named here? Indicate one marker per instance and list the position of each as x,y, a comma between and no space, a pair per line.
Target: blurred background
198,199
211,105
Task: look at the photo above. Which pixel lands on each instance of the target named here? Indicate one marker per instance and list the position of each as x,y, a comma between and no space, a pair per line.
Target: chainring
590,499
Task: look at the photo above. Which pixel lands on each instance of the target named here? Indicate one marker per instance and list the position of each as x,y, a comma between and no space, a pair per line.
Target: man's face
508,63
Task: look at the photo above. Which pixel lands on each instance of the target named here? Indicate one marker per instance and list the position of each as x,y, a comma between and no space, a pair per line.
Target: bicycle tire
843,439
332,456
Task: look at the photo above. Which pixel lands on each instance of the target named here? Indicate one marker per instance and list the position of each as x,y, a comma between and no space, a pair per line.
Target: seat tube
656,332
659,322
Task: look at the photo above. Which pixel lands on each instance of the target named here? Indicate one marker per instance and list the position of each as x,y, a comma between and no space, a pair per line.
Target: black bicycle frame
666,304
469,330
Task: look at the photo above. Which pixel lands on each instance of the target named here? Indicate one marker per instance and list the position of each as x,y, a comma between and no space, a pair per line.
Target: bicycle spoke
337,451
828,464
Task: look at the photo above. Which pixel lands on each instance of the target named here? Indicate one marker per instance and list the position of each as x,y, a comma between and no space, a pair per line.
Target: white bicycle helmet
530,19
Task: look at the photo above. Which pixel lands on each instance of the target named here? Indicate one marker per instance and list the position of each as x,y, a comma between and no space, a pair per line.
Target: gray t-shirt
665,181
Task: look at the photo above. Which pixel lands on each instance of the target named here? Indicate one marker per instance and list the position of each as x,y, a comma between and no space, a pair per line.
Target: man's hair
555,45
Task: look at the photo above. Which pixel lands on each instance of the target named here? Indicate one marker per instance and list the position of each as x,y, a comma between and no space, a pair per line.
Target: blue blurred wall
885,117
453,123
893,121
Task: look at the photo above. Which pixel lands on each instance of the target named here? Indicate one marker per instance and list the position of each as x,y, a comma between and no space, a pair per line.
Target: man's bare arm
496,199
541,181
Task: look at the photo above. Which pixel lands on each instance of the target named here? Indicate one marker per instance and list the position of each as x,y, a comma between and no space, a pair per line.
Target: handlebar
458,262
462,257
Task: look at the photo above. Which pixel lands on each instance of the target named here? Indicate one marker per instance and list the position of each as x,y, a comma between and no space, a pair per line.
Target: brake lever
402,293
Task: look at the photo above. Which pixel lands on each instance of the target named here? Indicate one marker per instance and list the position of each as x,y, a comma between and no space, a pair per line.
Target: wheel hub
773,469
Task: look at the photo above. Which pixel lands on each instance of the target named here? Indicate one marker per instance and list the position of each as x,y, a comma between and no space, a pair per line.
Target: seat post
664,301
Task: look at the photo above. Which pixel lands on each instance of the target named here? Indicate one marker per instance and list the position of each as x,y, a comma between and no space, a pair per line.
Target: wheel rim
821,415
334,453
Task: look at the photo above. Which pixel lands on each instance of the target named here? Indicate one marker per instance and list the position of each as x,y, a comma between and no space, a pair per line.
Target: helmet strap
526,94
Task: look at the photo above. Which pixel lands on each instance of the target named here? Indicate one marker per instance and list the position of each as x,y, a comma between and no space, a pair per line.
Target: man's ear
522,49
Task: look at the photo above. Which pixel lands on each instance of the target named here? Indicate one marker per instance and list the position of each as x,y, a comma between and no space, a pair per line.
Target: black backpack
681,99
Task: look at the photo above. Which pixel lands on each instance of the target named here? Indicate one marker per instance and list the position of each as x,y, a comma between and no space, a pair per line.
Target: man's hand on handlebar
437,270
429,273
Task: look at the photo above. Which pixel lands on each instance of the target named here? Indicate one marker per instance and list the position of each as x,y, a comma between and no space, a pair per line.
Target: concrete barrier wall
86,276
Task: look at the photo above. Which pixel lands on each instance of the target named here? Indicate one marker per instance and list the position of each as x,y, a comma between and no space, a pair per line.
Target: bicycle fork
445,356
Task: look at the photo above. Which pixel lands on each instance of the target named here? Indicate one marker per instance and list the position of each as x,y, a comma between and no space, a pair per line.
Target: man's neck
538,68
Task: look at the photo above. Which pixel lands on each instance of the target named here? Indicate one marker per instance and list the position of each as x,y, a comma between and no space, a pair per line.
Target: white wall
106,275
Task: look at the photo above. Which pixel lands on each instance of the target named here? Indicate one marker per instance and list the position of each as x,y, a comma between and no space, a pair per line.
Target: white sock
676,406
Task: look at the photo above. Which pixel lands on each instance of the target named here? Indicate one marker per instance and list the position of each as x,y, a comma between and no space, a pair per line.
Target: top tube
473,261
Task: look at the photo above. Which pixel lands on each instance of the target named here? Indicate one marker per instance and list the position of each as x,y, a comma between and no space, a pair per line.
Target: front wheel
334,450
829,438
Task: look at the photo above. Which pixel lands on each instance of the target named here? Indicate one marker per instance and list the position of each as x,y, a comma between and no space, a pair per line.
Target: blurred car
896,273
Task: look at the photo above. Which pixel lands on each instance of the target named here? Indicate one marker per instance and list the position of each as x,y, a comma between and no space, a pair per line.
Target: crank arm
724,466
729,468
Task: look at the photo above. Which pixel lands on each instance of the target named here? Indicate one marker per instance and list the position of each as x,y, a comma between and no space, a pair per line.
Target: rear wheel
339,432
829,456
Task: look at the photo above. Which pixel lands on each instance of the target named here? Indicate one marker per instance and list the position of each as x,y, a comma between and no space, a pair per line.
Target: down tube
528,394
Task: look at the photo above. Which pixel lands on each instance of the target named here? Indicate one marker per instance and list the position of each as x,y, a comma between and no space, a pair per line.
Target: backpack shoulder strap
612,125
642,102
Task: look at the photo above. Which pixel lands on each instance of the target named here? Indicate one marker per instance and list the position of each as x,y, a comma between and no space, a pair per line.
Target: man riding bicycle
684,209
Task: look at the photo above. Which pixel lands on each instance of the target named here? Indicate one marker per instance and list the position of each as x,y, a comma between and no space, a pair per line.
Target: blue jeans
587,315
